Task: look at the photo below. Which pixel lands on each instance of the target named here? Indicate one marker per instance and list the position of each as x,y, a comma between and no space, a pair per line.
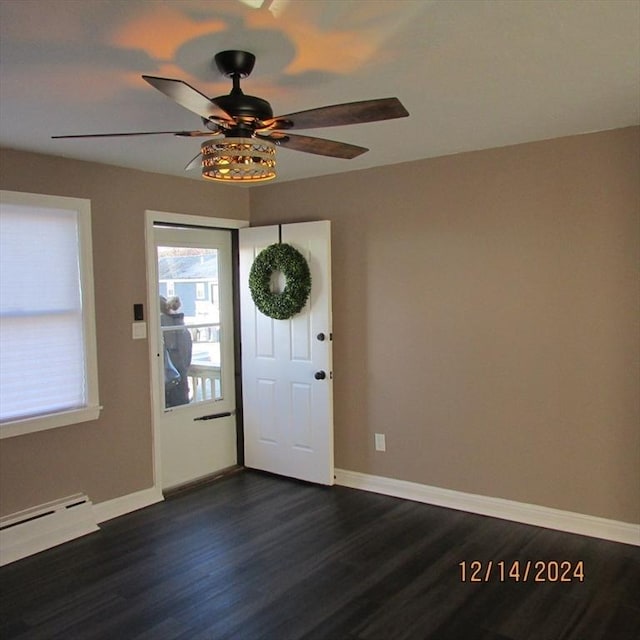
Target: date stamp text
522,571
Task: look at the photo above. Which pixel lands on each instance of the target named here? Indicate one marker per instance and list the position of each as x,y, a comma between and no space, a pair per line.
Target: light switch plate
139,330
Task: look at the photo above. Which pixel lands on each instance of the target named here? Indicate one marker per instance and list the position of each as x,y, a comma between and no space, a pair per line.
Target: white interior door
192,334
287,403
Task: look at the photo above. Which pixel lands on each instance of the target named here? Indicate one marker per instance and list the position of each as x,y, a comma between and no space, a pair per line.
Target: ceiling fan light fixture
238,160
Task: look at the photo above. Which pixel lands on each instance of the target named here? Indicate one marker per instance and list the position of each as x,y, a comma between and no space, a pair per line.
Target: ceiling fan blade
188,97
340,114
194,163
319,146
182,134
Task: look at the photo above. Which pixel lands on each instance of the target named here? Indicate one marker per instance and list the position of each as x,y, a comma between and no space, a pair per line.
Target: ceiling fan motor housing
243,108
239,105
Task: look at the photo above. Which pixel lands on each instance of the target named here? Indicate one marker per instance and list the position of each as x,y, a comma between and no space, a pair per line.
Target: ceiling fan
240,117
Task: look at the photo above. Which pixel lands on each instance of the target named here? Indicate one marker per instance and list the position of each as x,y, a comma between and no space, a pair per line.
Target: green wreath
294,267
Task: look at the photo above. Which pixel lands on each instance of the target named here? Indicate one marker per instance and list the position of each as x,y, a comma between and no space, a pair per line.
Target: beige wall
112,456
486,319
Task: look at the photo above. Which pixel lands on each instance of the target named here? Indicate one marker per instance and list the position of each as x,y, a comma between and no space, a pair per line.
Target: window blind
43,364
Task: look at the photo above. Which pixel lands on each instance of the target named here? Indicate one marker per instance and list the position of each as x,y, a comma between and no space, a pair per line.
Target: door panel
195,333
288,413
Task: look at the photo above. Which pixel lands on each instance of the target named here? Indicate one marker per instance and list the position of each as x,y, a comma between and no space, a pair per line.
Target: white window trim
92,410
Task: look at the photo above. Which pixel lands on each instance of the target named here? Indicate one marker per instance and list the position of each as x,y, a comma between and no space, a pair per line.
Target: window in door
190,325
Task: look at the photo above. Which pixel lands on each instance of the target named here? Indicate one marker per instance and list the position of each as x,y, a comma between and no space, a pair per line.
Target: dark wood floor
255,557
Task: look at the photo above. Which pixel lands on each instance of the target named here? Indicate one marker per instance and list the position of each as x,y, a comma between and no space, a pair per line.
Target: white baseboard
33,530
496,507
126,504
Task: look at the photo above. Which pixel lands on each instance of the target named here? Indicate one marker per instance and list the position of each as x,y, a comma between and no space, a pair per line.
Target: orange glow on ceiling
337,52
162,31
317,49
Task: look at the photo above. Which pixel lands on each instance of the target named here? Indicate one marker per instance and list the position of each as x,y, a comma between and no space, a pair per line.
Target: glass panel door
195,373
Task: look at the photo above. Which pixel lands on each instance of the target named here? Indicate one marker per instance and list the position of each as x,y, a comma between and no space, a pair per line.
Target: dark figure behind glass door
179,346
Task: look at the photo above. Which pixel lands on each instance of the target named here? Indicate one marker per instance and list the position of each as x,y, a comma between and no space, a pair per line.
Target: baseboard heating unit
48,525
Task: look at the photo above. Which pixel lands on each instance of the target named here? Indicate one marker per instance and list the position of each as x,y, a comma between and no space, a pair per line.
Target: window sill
51,421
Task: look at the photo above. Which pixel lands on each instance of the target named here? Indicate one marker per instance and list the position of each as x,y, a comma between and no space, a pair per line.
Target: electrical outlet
381,444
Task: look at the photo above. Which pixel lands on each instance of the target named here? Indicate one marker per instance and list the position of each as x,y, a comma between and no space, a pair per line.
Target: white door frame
152,319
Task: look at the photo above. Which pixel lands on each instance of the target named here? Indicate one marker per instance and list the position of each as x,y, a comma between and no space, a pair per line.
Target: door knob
320,375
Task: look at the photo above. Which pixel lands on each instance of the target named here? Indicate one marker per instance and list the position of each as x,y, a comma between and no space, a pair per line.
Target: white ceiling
473,74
